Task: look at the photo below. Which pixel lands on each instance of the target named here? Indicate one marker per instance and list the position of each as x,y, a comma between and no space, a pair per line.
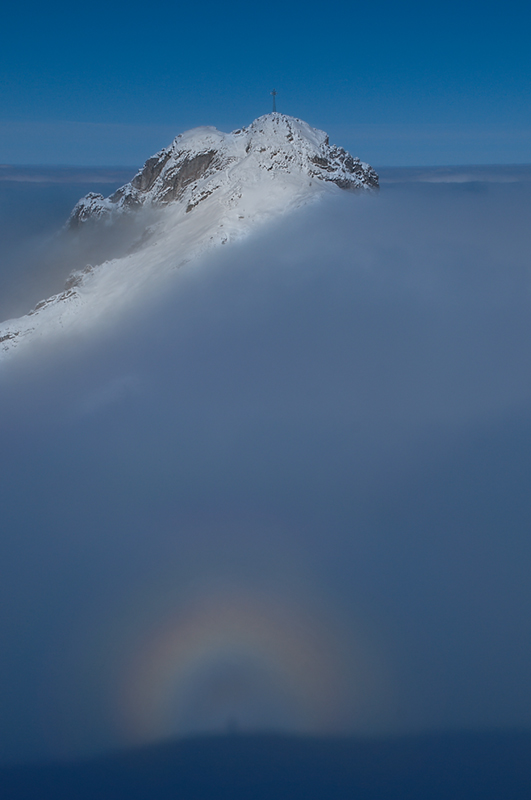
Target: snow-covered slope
207,188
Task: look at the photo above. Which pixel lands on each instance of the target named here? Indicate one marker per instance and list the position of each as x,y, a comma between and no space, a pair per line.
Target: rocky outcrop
196,158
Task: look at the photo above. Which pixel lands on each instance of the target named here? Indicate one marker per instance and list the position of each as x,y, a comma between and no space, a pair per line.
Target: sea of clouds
334,416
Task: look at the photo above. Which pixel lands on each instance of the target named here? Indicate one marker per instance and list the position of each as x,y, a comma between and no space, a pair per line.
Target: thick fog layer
294,494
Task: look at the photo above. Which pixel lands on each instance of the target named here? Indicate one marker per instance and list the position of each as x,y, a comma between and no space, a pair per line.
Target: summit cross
274,93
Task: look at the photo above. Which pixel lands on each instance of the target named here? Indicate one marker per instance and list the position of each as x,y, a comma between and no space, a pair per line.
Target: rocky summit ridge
199,161
206,188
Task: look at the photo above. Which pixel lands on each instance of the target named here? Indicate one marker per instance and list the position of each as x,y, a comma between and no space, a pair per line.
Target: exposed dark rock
8,336
321,162
189,170
151,170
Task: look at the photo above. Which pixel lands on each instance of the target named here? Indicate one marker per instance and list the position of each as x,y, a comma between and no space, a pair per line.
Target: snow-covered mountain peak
201,160
206,188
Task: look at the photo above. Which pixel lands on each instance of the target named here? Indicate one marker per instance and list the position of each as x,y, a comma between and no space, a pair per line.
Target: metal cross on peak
274,93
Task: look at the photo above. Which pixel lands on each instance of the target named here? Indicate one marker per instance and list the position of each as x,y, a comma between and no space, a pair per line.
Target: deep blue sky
412,83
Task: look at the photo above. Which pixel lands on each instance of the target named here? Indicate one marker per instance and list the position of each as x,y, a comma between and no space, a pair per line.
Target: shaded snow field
332,415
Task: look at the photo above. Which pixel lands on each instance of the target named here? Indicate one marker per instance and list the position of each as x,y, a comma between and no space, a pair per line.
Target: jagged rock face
200,160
